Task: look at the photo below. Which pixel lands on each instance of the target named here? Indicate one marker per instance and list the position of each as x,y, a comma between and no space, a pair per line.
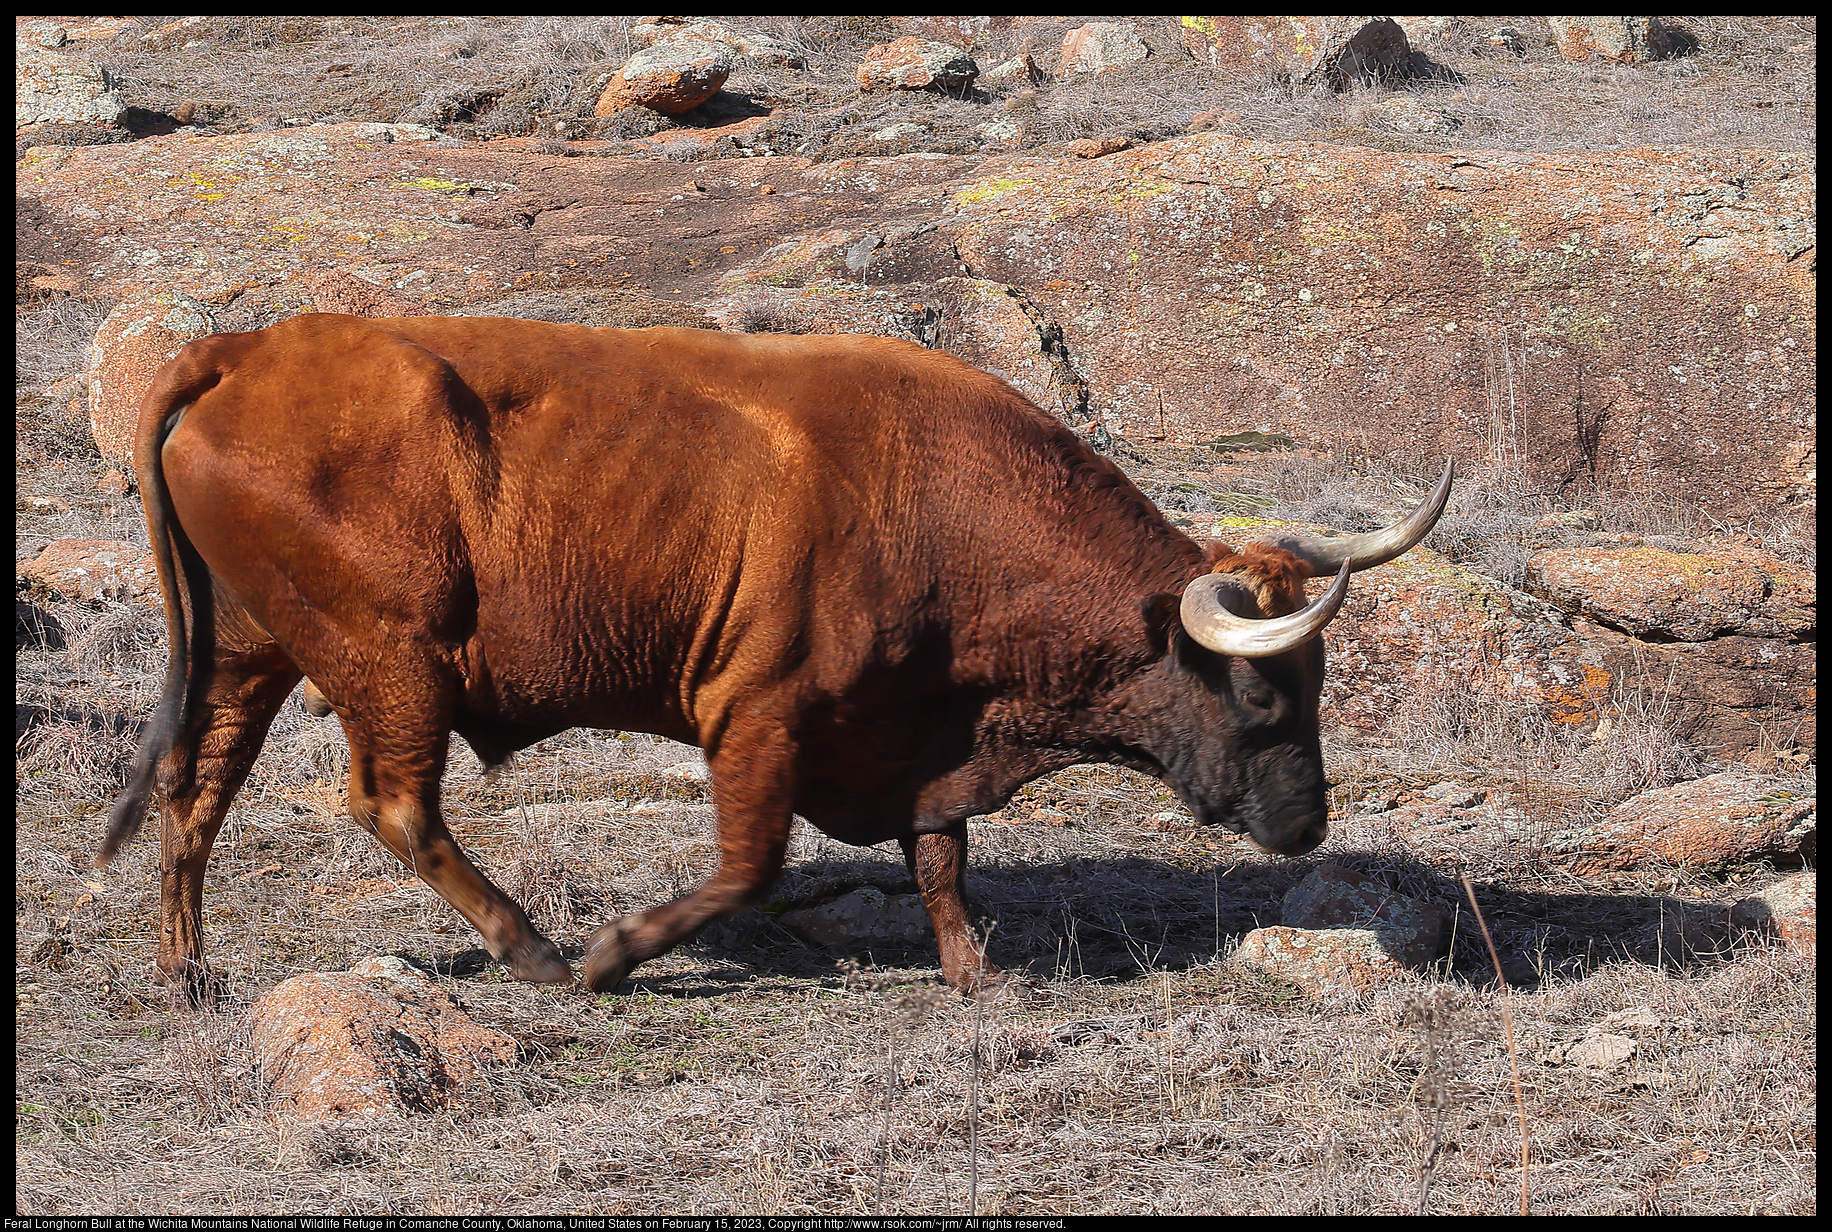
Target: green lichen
1587,329
1495,239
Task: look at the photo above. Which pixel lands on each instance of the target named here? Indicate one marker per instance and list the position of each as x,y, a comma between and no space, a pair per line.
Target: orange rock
136,340
1719,820
377,1038
912,63
96,571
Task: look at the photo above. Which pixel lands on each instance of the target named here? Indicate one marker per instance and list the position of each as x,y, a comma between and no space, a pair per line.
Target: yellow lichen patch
990,190
432,185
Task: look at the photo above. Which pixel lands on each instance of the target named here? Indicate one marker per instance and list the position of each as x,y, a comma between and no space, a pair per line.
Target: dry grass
1128,1070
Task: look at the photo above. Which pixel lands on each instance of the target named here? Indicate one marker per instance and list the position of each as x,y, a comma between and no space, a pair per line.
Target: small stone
1604,1051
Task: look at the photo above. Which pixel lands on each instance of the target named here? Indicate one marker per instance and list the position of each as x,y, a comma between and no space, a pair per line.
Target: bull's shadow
1121,917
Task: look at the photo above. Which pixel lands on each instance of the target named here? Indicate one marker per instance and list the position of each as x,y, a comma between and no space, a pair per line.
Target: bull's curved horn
1214,626
1377,547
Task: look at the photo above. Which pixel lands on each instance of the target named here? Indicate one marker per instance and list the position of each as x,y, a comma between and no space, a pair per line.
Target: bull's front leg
938,861
753,789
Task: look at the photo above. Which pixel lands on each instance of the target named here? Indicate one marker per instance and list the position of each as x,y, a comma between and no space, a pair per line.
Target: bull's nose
1292,839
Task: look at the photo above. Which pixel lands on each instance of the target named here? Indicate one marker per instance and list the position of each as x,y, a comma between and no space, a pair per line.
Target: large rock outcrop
1546,307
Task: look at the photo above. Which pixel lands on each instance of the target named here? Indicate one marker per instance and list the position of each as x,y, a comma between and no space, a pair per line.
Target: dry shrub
124,641
479,76
51,343
761,313
548,886
70,757
208,1055
1637,744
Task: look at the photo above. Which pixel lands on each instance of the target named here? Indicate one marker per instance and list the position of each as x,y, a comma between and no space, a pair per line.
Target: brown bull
878,587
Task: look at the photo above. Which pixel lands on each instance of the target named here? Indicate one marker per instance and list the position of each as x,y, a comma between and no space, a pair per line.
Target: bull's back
572,514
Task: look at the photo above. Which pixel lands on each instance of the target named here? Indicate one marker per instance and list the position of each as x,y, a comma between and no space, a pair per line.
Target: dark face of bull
1237,740
1233,700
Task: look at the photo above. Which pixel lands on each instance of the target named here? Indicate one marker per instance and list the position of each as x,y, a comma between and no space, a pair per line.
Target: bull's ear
1161,618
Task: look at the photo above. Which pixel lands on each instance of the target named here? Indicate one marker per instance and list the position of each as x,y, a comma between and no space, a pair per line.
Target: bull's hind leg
753,786
197,780
397,757
939,864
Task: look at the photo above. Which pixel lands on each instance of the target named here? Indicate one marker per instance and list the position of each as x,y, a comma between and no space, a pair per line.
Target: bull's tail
184,584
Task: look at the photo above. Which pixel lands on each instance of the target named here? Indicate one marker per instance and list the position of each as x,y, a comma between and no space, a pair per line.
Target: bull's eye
1262,701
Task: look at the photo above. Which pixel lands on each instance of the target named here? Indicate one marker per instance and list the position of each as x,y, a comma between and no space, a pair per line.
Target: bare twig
1507,1027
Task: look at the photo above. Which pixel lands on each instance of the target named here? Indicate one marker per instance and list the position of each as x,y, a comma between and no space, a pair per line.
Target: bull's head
1245,648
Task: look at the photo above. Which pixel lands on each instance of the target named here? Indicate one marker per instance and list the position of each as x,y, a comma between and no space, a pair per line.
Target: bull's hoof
607,959
539,962
190,981
977,980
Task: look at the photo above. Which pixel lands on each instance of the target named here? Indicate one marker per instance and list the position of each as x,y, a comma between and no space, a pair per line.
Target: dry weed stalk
1507,1027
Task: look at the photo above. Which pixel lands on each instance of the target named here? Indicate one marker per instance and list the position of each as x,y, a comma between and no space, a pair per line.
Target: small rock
55,87
897,132
1411,932
1322,962
1679,596
1323,50
858,256
1096,147
138,338
1634,1018
675,75
1786,910
1621,40
912,63
760,47
1019,70
396,132
1508,39
377,1038
1722,819
1604,1051
1100,47
95,571
1002,131
1453,795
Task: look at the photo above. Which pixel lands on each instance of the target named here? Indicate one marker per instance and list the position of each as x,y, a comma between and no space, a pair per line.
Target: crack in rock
1077,398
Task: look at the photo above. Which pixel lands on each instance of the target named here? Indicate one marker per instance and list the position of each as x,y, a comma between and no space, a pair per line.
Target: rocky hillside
1587,324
